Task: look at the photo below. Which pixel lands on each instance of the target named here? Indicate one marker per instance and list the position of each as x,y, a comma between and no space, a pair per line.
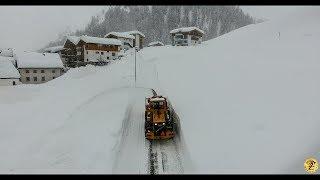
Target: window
87,52
34,71
102,53
97,52
113,54
179,36
42,71
53,71
53,77
13,83
35,79
43,78
27,71
27,79
107,57
87,59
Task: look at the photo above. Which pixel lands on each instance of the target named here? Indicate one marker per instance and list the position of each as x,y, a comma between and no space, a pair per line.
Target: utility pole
135,66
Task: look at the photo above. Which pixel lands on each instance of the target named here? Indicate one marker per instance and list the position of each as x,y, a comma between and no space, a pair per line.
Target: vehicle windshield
157,104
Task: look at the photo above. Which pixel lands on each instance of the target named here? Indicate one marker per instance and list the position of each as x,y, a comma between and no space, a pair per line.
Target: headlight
163,123
155,124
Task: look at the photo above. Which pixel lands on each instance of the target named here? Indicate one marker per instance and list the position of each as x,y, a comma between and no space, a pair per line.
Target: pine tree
157,21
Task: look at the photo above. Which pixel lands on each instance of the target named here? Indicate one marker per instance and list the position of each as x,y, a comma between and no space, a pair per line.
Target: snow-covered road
136,155
244,97
165,157
132,147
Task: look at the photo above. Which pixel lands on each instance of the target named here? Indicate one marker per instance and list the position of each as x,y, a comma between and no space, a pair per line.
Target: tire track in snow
165,156
124,132
131,154
84,104
63,159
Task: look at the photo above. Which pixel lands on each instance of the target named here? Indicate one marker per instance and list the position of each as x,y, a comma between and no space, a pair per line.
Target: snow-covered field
68,125
248,102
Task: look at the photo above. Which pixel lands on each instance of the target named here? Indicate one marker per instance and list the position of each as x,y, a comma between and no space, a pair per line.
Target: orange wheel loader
159,123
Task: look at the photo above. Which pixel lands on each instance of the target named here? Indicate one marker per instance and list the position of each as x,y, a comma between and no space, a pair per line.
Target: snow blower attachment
158,119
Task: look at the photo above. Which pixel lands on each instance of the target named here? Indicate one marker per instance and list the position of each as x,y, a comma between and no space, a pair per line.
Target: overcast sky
32,27
268,12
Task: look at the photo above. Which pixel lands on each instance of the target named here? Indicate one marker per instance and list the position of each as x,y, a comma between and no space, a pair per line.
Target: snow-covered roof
155,42
157,99
120,34
97,40
136,32
73,39
8,52
186,29
7,70
38,60
54,49
4,58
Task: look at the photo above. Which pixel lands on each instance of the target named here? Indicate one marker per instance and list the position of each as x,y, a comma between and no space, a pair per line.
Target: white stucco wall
48,74
9,82
189,40
193,42
123,40
137,39
95,56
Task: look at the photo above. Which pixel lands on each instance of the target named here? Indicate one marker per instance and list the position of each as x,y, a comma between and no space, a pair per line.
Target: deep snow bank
68,125
248,103
248,100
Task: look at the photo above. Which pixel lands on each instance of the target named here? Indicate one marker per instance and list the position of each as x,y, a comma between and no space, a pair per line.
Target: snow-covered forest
156,21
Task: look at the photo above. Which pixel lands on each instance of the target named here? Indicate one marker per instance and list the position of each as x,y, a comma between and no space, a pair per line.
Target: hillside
156,21
247,101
